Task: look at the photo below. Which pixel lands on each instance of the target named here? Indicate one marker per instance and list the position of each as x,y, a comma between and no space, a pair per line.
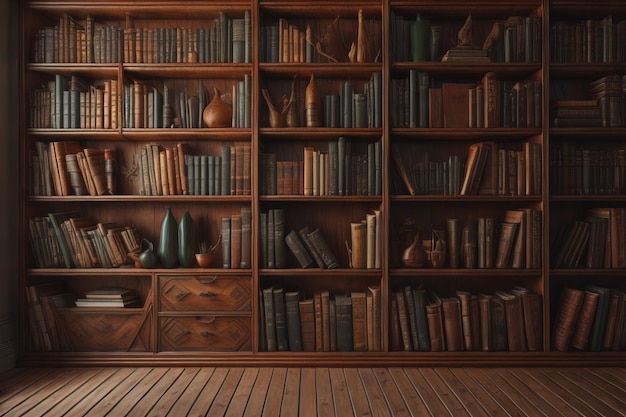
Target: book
567,313
598,330
307,323
57,219
270,319
298,249
452,324
374,323
514,313
280,319
343,306
434,314
359,321
582,329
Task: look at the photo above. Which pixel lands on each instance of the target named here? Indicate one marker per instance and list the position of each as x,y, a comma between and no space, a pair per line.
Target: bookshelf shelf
425,127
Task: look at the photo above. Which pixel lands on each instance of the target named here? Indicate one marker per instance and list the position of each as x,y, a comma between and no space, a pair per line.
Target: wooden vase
217,113
313,104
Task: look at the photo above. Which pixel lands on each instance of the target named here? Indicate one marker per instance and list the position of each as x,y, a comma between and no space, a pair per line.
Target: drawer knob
206,280
207,294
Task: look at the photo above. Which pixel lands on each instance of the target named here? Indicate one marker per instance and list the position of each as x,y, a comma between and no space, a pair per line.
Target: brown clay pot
217,113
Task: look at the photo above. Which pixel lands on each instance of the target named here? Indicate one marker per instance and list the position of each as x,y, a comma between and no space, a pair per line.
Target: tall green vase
420,39
168,244
187,241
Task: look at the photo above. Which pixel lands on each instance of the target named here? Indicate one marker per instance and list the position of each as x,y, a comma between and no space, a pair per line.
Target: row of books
597,241
505,320
228,40
42,300
585,171
604,108
323,323
146,106
589,40
66,168
343,168
516,39
237,240
310,248
69,240
590,318
488,169
513,242
72,40
418,101
75,103
286,42
366,248
175,171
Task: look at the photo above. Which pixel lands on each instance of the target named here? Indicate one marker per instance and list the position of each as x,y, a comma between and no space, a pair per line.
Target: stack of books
109,297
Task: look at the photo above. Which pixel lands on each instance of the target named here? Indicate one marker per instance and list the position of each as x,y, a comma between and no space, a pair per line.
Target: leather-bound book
75,176
280,319
566,316
96,165
516,334
270,319
533,317
582,330
452,324
359,321
434,314
307,323
343,312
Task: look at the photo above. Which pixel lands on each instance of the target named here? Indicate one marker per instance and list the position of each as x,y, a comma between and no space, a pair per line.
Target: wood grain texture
328,392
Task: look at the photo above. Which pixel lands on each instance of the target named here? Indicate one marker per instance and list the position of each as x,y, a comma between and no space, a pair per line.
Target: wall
9,173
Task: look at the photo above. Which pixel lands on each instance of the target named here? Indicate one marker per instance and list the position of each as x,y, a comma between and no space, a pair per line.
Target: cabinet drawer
206,333
206,293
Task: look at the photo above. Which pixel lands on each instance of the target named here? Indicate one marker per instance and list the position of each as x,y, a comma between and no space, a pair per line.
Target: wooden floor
326,392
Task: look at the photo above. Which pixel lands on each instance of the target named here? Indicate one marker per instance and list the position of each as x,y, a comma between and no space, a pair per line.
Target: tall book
598,330
270,319
582,329
516,334
307,323
567,314
343,308
434,314
452,324
359,321
420,301
280,319
374,320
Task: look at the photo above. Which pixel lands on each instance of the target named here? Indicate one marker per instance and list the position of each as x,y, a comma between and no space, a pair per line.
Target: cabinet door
205,293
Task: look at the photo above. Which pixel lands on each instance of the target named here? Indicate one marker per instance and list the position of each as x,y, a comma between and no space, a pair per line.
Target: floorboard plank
191,392
341,397
77,393
595,397
611,375
494,391
308,397
43,389
226,392
239,402
98,393
21,387
324,393
521,399
133,402
430,397
207,395
412,398
258,394
392,394
448,398
537,382
375,395
291,395
357,392
155,393
173,393
465,396
275,391
617,391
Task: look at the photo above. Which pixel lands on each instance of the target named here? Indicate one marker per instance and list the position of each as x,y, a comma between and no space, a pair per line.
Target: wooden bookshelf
357,110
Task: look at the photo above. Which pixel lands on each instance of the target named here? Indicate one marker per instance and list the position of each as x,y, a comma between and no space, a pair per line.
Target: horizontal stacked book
325,322
505,320
109,297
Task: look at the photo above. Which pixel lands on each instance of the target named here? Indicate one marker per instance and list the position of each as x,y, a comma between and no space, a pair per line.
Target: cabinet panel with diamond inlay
206,333
205,293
